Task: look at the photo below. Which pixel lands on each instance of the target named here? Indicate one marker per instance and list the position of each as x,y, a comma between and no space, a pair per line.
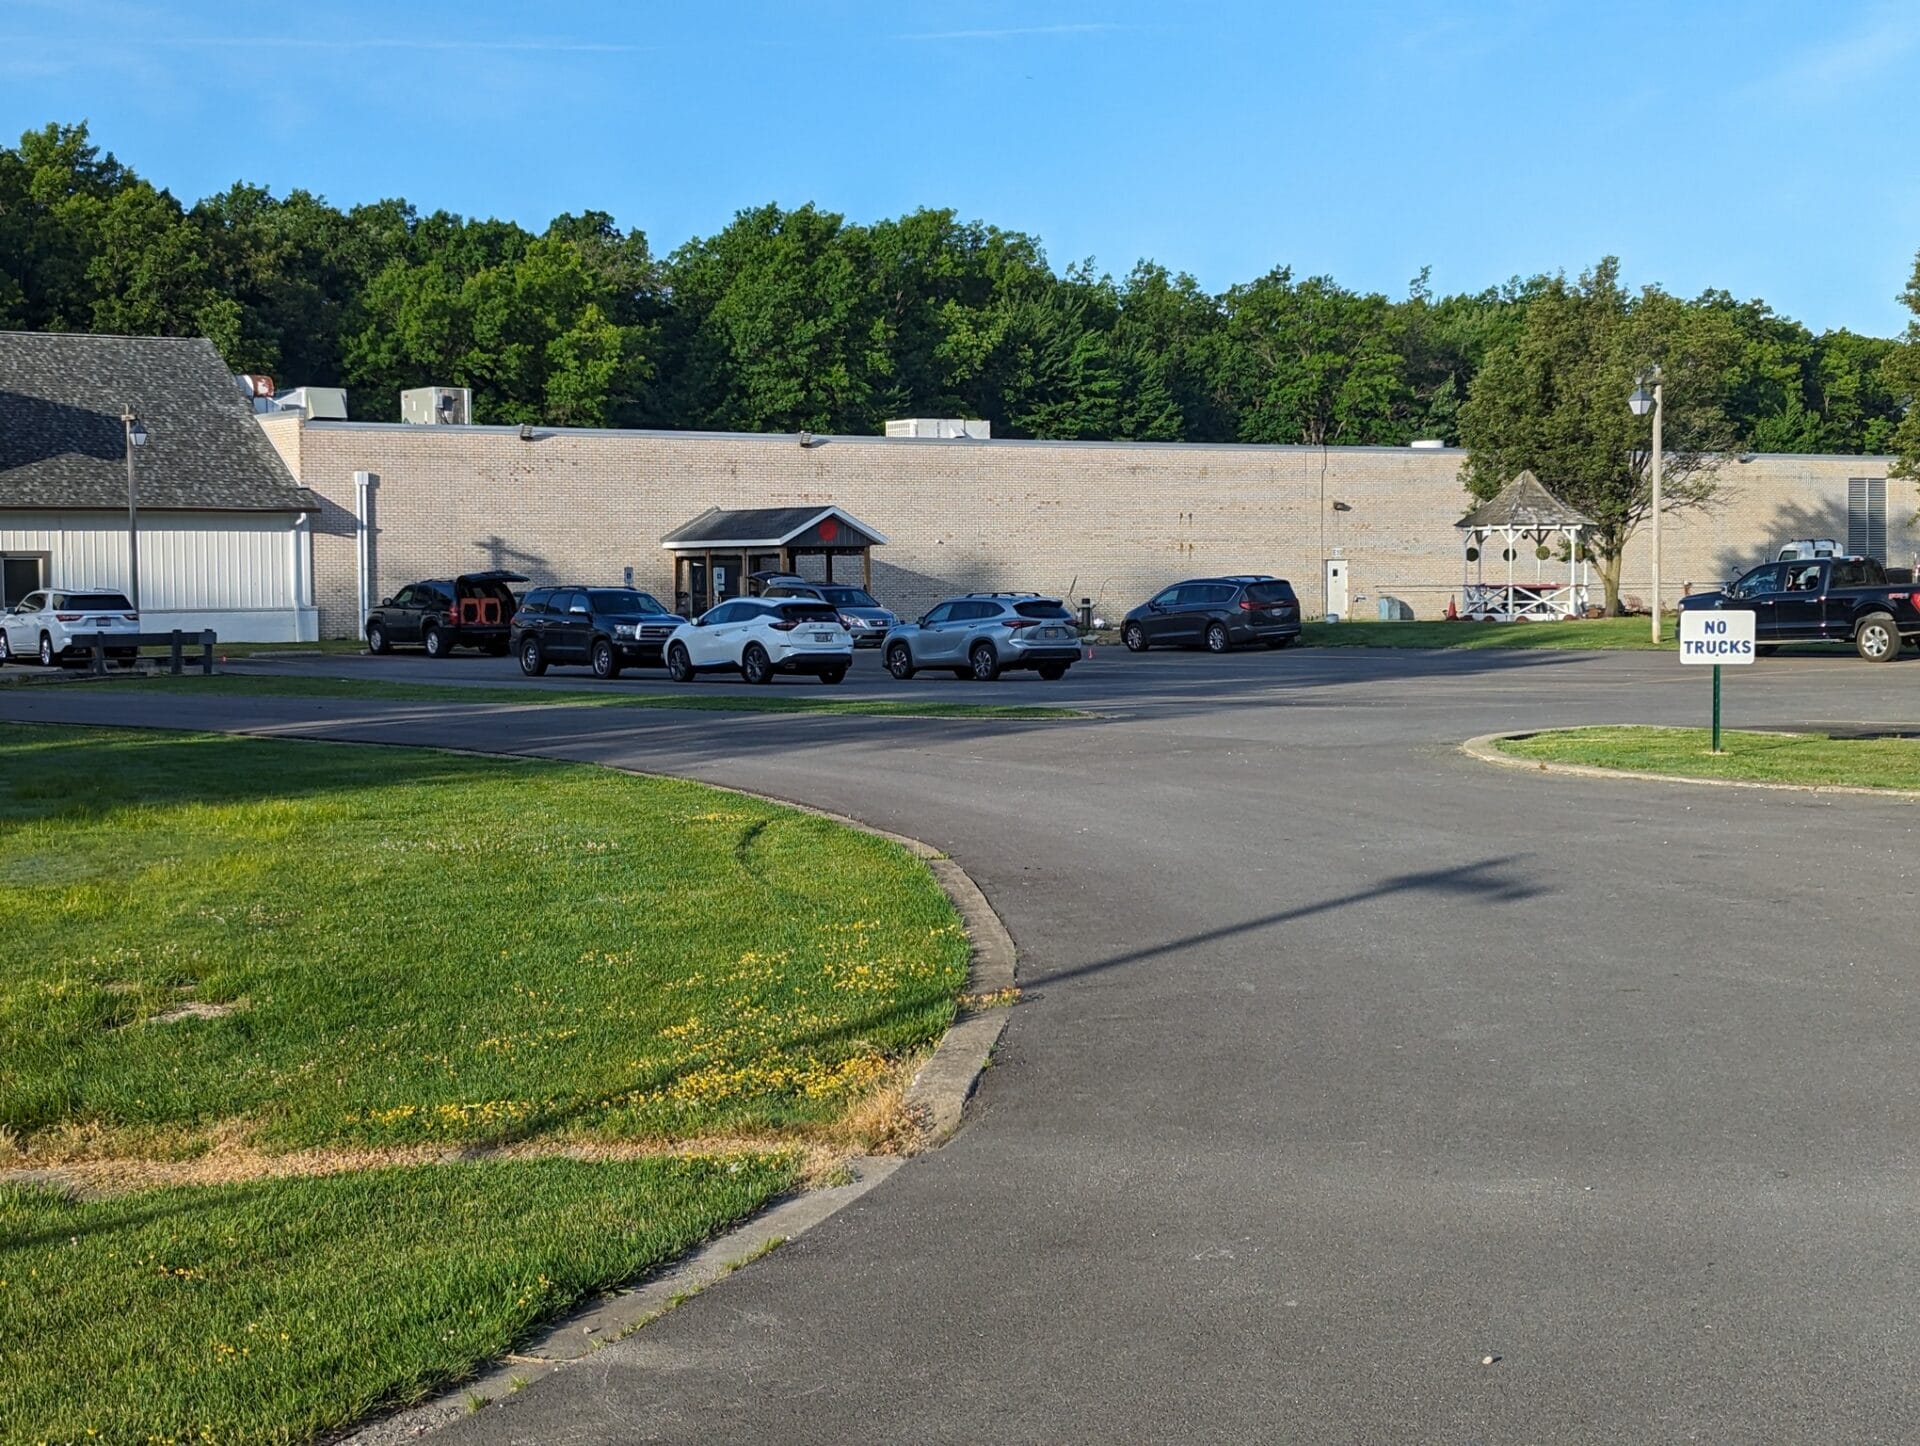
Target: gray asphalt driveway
1345,1063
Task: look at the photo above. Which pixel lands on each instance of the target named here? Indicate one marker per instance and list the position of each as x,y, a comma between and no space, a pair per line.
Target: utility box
321,404
1393,610
948,428
437,406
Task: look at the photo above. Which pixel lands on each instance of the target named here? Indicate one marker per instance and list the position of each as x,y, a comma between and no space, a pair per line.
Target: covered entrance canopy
715,554
1525,515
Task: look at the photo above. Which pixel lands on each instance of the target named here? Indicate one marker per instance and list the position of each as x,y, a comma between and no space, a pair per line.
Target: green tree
1312,363
1553,400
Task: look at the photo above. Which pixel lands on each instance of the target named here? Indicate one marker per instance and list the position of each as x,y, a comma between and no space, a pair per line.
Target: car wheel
1053,672
533,658
900,661
1135,637
46,651
755,665
986,663
1765,650
834,675
1878,640
435,643
6,650
1217,639
679,665
377,639
606,662
1278,643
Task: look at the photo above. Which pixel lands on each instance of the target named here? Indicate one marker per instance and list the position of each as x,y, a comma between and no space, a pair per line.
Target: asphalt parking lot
1359,1092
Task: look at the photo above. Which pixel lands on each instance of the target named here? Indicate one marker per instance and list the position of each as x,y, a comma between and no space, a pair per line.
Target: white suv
758,637
43,625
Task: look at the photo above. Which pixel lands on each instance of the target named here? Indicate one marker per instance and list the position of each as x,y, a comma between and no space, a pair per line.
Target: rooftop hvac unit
321,404
437,406
948,427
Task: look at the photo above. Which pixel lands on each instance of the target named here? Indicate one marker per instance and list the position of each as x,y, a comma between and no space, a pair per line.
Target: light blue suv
985,634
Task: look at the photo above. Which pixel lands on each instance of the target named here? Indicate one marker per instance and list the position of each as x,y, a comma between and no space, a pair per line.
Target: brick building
1109,521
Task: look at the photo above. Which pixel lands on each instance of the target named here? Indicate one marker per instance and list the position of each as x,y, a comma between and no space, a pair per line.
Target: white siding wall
242,573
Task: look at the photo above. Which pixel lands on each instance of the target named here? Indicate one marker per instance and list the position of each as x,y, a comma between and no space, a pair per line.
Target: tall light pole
136,437
1642,402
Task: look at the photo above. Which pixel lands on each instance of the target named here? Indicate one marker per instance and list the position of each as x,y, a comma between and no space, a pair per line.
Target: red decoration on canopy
829,530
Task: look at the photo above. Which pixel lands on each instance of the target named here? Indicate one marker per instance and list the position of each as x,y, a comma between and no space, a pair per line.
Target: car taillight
786,627
68,617
1022,622
1248,605
131,617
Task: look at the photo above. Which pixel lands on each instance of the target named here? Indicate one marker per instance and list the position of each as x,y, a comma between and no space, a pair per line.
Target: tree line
790,320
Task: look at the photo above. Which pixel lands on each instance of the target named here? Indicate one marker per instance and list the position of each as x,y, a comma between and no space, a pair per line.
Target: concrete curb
1485,750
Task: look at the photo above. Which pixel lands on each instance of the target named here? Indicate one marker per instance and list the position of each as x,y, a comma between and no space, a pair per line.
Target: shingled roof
62,446
1525,505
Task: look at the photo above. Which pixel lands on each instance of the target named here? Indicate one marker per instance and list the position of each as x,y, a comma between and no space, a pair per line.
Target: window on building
1867,517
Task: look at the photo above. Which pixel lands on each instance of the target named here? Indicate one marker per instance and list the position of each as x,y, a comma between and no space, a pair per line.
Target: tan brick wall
1109,521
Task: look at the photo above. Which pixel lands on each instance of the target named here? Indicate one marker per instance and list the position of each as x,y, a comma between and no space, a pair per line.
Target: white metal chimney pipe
363,483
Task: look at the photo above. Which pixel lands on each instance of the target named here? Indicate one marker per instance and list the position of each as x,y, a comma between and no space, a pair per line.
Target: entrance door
20,576
1337,586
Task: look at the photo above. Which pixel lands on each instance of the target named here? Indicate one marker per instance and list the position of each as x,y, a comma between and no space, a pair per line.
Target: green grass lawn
688,698
279,1311
1759,757
415,950
1604,633
323,647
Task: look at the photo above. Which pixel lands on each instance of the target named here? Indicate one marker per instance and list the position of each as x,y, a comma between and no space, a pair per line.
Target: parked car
1845,600
43,625
1216,613
985,634
758,637
474,610
607,628
866,622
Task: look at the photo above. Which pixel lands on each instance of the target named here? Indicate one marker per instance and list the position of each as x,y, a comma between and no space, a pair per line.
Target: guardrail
100,643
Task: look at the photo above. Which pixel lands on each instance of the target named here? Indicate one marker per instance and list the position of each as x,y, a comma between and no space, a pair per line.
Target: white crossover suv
42,625
758,637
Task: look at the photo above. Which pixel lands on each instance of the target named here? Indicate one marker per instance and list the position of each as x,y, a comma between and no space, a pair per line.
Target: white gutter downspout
363,483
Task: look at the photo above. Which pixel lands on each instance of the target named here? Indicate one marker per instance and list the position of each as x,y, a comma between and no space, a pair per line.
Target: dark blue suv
606,628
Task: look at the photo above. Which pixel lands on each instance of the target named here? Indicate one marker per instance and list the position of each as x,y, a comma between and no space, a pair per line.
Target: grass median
1604,634
251,987
687,699
1802,758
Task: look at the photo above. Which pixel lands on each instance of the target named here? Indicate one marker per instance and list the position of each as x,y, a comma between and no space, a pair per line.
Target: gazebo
1523,513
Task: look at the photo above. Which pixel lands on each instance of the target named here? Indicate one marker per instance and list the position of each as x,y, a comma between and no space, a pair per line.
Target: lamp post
136,437
1642,401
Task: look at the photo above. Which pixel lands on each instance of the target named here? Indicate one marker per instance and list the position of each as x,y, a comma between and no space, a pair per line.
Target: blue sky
1760,146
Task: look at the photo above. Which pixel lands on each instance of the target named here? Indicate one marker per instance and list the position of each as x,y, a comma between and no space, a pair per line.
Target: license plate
1053,632
823,637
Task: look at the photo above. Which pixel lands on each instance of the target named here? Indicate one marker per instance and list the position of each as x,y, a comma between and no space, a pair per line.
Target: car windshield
848,597
110,601
1049,609
623,600
808,612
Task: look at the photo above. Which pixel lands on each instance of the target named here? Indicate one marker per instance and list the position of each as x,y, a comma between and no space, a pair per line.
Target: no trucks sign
1716,637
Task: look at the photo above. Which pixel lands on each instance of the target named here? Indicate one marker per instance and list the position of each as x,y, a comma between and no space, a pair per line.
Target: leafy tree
1312,363
1553,400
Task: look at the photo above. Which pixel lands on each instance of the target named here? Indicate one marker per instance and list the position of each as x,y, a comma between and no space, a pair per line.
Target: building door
20,575
1336,592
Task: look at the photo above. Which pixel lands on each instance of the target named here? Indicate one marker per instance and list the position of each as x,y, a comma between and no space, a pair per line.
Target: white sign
1716,637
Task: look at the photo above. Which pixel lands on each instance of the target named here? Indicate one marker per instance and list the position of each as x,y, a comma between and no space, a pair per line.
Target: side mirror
921,621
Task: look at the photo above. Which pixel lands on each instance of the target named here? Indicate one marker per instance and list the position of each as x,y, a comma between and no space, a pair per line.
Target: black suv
470,611
606,628
1215,613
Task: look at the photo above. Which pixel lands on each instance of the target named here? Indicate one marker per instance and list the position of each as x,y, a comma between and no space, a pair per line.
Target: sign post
1713,638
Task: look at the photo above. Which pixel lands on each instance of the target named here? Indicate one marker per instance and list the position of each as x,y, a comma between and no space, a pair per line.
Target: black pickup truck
1848,600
